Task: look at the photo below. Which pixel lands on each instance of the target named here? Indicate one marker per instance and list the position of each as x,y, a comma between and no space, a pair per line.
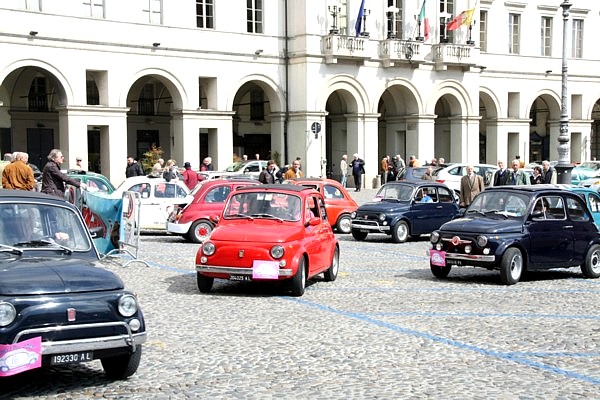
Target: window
94,8
146,100
514,31
205,14
577,38
576,211
446,15
394,20
257,105
254,16
483,30
38,96
154,11
93,96
547,36
32,5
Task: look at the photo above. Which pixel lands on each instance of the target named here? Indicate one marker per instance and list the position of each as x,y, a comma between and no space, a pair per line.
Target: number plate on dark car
71,358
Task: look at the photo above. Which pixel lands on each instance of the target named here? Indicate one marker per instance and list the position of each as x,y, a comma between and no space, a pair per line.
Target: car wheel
200,231
298,282
358,235
511,266
440,272
344,224
205,283
122,366
400,232
591,267
332,271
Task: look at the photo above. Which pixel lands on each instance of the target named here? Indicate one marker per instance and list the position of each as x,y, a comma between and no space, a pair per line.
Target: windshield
395,192
495,202
235,167
264,205
41,225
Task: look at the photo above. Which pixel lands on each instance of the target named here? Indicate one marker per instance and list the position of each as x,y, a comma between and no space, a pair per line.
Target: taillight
440,180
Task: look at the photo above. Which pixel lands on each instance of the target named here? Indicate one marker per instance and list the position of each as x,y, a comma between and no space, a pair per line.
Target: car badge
456,240
241,254
71,314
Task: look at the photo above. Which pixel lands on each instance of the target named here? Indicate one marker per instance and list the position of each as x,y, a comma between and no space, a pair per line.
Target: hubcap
515,267
595,262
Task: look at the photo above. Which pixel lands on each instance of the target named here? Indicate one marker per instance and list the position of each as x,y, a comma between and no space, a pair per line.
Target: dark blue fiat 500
405,209
57,304
515,229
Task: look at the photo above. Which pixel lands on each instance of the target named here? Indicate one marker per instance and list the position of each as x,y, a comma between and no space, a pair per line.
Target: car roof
26,195
416,183
277,187
315,180
531,188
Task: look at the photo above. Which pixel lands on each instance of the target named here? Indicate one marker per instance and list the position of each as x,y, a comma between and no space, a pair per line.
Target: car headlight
382,217
127,305
277,251
7,313
435,237
353,215
208,248
482,241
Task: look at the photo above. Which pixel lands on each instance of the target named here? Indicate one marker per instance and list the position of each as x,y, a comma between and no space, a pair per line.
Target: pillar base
563,173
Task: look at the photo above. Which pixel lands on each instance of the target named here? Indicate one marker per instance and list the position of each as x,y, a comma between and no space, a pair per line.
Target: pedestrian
18,175
470,186
537,177
501,175
521,162
206,164
170,171
294,171
441,162
190,177
244,157
548,173
267,175
516,176
398,166
53,180
157,168
358,169
428,175
344,170
78,166
133,168
383,165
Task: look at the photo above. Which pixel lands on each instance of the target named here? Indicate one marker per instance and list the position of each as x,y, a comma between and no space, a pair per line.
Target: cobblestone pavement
384,329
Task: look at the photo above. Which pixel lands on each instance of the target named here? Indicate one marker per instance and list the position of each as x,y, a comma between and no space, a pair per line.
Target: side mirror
215,219
314,221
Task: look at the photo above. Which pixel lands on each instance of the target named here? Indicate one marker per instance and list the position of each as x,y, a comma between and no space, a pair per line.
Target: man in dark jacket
133,168
53,180
358,170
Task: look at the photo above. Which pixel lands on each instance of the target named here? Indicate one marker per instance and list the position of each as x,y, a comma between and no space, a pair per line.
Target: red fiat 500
270,233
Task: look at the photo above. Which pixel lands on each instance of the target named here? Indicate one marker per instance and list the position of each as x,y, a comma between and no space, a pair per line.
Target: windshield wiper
263,215
240,215
497,212
10,249
475,212
45,242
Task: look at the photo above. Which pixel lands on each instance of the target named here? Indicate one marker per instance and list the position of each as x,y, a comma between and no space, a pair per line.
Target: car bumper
128,339
370,226
179,229
217,269
470,259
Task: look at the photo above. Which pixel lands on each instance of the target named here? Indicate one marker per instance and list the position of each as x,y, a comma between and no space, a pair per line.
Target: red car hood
258,230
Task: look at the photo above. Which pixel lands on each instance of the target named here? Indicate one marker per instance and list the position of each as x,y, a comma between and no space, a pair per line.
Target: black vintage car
58,305
403,208
515,229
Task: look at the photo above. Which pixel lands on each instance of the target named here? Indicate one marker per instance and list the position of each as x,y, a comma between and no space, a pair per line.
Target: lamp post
365,14
563,168
334,10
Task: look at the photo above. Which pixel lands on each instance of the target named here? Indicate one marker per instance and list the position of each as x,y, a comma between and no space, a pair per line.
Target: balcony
393,52
460,55
349,48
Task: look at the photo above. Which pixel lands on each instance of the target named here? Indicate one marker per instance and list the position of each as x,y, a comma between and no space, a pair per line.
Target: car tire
122,366
204,283
511,266
332,271
200,231
298,281
440,272
344,224
400,232
591,267
358,235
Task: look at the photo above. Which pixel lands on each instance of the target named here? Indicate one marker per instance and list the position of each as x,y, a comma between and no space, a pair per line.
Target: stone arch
350,92
459,101
401,89
274,93
171,83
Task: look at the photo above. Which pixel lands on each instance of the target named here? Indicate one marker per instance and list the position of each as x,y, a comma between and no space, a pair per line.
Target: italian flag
464,18
425,21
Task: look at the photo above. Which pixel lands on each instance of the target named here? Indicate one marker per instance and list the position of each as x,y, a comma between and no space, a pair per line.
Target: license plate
454,262
71,358
244,278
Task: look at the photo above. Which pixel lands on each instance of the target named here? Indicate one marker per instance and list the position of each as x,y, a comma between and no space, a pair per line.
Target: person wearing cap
77,165
190,178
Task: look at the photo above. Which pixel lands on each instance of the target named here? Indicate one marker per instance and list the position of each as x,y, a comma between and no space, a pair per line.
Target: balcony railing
445,54
393,52
337,47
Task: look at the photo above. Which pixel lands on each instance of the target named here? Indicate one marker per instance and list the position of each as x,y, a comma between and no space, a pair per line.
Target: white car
452,174
158,198
248,169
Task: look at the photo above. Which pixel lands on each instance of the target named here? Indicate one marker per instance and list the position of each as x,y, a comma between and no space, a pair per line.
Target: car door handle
568,227
439,206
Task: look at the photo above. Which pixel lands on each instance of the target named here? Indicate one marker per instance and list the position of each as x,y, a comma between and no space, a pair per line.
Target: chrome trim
178,228
216,269
95,343
370,226
470,257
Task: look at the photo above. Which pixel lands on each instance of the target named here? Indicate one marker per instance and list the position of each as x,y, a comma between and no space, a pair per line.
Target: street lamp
563,168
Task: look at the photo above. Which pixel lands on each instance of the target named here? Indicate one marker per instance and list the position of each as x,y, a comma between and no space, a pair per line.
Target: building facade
104,79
